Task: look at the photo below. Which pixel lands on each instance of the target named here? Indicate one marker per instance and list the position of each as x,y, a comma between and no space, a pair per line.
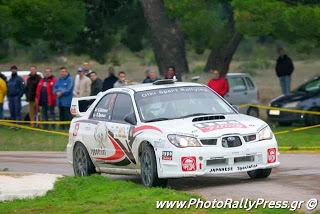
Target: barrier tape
296,129
280,109
36,122
33,129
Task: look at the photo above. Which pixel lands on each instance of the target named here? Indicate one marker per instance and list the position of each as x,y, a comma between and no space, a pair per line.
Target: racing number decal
272,157
188,164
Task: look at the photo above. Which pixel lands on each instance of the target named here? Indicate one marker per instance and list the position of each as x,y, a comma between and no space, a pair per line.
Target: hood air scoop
205,118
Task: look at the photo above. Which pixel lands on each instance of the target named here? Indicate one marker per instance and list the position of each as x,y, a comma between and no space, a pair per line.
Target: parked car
167,130
305,97
24,103
243,90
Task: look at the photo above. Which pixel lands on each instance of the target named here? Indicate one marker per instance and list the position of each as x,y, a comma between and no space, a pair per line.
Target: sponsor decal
141,128
100,113
272,155
161,144
73,109
167,155
121,133
222,169
101,134
240,168
95,152
188,164
211,126
76,129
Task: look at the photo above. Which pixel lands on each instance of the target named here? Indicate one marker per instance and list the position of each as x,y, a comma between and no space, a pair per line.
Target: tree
166,36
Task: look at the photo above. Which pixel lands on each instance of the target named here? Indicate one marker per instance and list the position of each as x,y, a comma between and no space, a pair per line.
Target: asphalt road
298,177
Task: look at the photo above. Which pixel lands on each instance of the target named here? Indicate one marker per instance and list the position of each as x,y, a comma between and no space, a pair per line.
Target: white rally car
167,130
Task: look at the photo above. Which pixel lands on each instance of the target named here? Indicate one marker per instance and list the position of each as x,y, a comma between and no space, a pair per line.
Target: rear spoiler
80,105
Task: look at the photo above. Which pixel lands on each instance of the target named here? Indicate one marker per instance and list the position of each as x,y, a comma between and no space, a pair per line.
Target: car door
95,131
252,91
238,91
121,132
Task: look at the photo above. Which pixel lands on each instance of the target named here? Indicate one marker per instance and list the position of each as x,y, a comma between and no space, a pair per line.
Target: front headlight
291,104
183,141
265,134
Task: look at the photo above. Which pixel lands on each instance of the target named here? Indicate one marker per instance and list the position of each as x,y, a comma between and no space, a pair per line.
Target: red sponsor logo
188,164
167,155
211,126
76,129
272,155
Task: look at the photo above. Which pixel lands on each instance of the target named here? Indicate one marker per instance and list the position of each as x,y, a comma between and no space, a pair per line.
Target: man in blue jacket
16,88
63,89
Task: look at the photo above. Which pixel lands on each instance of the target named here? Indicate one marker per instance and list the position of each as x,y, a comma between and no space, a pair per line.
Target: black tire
312,119
259,173
82,164
284,123
149,174
254,112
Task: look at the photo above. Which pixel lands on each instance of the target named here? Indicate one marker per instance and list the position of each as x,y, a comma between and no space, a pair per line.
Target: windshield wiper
157,119
192,115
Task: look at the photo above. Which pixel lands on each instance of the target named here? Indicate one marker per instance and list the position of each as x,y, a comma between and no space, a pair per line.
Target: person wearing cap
31,89
152,77
87,71
83,88
16,89
110,80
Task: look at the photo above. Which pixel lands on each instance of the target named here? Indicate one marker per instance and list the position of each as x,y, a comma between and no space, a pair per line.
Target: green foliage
203,22
198,69
292,23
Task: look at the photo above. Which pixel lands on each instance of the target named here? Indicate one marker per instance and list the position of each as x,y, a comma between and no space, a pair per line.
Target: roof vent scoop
206,118
164,82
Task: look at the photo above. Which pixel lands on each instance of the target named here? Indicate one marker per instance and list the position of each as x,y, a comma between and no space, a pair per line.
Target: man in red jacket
218,84
45,97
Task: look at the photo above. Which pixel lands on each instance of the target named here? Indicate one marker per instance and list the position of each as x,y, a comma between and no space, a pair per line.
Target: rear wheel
259,173
254,112
82,164
312,119
149,172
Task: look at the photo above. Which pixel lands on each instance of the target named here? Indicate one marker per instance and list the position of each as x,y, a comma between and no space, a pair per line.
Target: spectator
284,69
152,77
171,73
121,80
109,81
46,98
31,89
63,91
146,80
16,88
96,85
87,70
218,84
84,84
3,92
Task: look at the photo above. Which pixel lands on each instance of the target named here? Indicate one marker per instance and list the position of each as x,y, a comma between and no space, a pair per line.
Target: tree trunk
167,37
220,57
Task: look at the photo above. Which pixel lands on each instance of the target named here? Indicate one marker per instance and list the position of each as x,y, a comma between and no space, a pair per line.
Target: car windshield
179,102
312,87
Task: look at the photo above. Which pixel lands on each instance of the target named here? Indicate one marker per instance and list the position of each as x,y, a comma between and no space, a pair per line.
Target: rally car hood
232,124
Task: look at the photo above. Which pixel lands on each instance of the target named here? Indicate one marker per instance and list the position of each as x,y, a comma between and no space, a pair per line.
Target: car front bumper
197,161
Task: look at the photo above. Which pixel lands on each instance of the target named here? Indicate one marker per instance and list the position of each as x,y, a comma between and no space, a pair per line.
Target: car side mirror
235,107
131,119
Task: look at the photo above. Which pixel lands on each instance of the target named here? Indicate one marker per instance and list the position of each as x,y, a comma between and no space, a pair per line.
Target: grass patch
27,140
302,140
98,194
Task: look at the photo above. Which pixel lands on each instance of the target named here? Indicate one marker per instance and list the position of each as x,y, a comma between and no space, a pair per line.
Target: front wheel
149,173
82,164
259,173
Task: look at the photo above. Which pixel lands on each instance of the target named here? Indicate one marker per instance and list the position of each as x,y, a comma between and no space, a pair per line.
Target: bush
198,69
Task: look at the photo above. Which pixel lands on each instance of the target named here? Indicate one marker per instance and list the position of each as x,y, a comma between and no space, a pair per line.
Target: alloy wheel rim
81,162
146,169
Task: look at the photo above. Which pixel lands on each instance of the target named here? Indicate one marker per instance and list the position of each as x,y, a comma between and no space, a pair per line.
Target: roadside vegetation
27,140
98,194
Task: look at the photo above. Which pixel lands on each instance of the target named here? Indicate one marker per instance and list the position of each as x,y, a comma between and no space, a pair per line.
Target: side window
122,107
104,108
250,83
237,84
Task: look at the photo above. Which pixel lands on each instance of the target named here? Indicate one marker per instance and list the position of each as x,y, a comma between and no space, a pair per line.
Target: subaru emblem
231,138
